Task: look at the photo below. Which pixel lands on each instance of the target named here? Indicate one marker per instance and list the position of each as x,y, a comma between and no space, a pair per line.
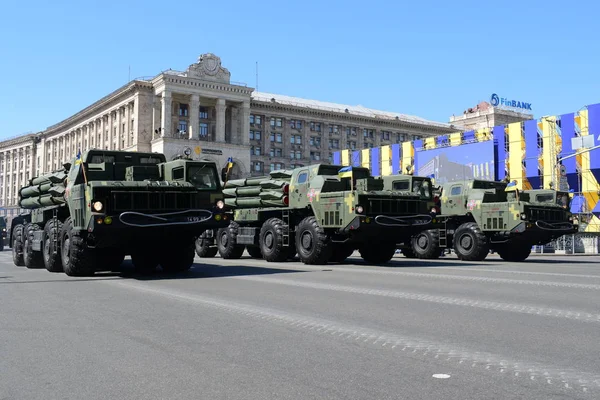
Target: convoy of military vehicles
105,205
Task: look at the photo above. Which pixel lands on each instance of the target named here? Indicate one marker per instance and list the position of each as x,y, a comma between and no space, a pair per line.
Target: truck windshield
202,177
422,188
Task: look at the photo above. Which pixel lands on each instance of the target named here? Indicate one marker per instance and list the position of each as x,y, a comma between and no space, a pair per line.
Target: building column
166,114
194,127
245,123
220,107
127,132
118,139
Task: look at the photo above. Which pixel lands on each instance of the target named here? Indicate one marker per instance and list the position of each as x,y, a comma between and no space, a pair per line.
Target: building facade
484,115
201,110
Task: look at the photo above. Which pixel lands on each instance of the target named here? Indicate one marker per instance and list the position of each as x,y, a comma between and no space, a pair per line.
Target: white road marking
569,377
523,272
488,305
440,376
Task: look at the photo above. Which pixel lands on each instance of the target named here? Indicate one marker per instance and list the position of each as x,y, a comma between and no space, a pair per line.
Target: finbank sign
503,101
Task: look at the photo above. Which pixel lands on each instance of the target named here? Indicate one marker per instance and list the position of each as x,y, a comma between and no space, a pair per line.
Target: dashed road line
488,305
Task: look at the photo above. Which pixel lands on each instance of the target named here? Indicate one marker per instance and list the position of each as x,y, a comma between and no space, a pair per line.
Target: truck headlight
97,206
359,209
220,204
523,216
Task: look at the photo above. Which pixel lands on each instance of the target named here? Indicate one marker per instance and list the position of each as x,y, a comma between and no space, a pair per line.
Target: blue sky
430,59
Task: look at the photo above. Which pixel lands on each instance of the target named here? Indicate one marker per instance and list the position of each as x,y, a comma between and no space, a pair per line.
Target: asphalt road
248,329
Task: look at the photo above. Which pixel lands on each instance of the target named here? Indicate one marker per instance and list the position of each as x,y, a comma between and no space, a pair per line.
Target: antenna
257,75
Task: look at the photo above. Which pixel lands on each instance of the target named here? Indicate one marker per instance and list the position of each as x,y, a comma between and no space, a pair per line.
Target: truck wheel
426,244
179,260
227,242
378,254
271,241
17,246
312,243
77,258
254,251
515,253
340,252
470,244
51,252
33,259
144,262
203,247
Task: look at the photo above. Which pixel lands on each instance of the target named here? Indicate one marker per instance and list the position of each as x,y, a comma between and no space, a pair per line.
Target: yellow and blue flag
78,158
229,163
345,172
511,187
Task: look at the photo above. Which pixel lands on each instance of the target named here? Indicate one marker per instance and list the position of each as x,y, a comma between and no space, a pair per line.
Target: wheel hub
269,240
224,239
306,240
422,241
466,242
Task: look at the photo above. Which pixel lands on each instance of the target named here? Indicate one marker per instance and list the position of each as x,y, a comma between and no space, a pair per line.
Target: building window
352,145
203,130
298,155
203,113
183,110
315,126
385,135
182,126
295,124
254,135
334,143
334,129
315,156
315,141
276,166
368,133
258,166
296,139
279,138
255,150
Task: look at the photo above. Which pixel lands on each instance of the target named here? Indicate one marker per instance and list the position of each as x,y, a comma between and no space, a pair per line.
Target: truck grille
384,206
545,214
142,200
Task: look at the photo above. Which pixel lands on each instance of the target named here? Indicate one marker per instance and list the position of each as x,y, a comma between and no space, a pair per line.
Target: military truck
321,212
477,216
3,227
105,205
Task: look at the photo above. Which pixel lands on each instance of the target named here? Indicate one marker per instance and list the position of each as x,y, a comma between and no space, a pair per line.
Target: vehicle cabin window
202,177
401,185
302,177
150,160
545,198
178,173
99,158
456,190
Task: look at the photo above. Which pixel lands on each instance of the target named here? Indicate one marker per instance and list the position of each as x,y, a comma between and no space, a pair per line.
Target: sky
430,59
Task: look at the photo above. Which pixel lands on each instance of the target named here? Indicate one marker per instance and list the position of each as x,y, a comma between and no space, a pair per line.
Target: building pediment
209,68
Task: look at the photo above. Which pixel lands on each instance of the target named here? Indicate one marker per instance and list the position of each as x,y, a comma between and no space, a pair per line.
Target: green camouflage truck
108,204
476,216
321,212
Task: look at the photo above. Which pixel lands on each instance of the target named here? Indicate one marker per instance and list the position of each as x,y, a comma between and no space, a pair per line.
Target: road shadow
203,271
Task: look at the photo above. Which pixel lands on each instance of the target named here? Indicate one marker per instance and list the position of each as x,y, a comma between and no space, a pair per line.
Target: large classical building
201,110
484,115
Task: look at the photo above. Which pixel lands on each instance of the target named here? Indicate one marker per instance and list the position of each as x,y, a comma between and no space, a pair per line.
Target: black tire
2,244
17,246
340,252
254,251
271,241
51,252
470,244
77,258
179,260
516,253
408,252
312,243
426,244
378,253
227,242
144,261
32,259
203,247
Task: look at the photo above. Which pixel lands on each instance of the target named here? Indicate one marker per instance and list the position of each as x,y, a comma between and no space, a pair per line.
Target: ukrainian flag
78,157
345,172
511,187
229,163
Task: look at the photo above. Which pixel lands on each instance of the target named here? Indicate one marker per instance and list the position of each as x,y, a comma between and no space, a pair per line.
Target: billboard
473,160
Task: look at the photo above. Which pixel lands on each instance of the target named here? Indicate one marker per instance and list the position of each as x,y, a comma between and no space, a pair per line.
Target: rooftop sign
497,101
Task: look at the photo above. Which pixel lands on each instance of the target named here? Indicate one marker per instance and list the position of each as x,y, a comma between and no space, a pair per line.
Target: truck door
455,202
300,192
